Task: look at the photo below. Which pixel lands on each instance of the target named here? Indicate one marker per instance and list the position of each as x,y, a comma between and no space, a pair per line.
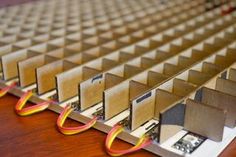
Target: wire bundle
117,129
72,130
5,90
20,110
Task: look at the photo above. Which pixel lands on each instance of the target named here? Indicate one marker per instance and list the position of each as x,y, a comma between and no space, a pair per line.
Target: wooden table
37,135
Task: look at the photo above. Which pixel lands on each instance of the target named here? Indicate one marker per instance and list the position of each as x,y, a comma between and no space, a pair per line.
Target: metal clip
75,105
124,122
153,132
54,97
99,113
34,90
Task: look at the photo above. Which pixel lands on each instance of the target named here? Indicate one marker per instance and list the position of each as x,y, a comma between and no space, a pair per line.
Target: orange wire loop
72,130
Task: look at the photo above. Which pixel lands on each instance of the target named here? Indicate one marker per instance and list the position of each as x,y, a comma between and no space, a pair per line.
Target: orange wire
5,90
20,110
117,129
72,130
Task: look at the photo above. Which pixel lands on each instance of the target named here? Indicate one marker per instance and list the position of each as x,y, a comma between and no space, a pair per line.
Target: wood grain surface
37,136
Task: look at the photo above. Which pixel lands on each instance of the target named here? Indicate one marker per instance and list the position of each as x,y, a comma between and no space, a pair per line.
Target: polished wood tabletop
37,136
